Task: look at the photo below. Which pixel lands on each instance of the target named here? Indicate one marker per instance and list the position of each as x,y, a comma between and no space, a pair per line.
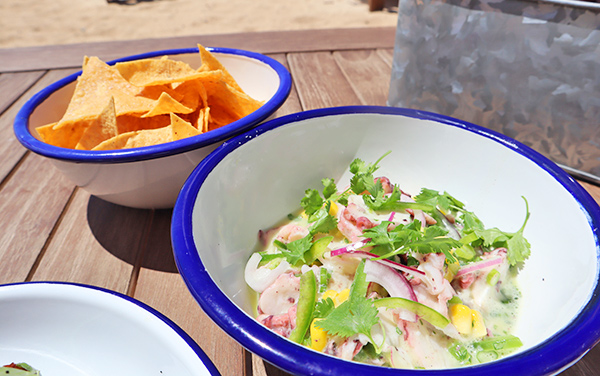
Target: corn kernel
318,337
333,209
460,315
341,297
479,329
303,214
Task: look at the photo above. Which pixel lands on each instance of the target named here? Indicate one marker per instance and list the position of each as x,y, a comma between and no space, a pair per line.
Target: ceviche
377,275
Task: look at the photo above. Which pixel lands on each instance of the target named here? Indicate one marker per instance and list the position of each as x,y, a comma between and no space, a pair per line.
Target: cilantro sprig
517,246
357,315
405,238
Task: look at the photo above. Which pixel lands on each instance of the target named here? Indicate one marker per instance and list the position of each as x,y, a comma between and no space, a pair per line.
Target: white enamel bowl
217,217
78,330
151,177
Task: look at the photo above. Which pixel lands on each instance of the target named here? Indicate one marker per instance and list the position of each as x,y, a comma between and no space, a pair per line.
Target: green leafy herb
409,237
356,315
324,307
518,248
293,251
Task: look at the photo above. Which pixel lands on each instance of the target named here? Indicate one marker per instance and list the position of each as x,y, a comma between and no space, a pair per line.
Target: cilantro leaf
294,251
355,315
518,248
312,201
323,308
322,221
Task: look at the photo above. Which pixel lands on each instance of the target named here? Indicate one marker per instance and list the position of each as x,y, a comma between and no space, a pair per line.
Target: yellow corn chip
148,72
181,128
100,129
166,105
211,63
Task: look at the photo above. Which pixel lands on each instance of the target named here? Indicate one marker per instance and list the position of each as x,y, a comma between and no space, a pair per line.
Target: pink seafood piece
291,232
466,280
385,182
280,296
352,222
282,324
347,350
433,289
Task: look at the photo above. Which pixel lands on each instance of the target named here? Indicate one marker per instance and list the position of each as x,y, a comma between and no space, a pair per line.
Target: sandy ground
40,22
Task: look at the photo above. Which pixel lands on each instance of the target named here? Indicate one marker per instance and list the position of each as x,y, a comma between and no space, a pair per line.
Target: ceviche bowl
75,330
151,176
251,182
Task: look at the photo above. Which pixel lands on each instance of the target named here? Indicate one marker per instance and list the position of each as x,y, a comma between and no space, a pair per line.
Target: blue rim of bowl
21,123
210,367
550,357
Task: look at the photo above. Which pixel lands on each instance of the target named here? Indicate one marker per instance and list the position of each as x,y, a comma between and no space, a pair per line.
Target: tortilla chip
137,139
100,129
181,128
211,63
148,72
166,105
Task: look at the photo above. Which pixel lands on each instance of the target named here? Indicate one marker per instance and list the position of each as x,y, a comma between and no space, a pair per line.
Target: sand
42,22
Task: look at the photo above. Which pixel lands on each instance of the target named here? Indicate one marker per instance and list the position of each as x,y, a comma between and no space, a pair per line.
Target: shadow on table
135,236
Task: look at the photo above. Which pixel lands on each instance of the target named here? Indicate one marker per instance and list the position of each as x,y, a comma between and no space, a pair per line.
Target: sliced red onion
350,247
260,278
479,265
407,269
391,218
393,282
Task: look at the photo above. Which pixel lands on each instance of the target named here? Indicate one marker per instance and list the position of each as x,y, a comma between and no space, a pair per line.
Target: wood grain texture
368,75
31,204
96,243
15,84
11,151
320,81
160,285
270,42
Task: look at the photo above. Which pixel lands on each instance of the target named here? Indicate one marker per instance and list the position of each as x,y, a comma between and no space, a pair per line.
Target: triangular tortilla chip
100,129
211,63
148,72
166,105
145,137
181,128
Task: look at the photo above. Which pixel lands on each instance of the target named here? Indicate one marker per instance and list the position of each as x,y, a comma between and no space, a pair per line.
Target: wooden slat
97,243
368,74
15,84
160,286
30,204
71,55
320,81
292,104
11,150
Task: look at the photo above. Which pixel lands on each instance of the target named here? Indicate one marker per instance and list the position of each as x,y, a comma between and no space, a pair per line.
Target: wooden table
51,230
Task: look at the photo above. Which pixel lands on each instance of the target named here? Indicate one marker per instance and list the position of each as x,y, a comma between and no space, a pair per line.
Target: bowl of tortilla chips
130,131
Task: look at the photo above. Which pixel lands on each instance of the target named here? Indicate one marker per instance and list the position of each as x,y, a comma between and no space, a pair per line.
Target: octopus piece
291,232
282,324
352,222
280,296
